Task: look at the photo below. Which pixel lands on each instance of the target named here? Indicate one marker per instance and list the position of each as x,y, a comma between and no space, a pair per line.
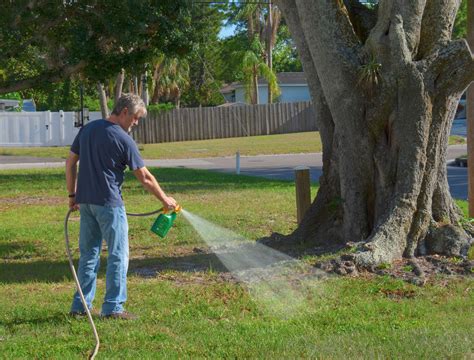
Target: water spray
161,227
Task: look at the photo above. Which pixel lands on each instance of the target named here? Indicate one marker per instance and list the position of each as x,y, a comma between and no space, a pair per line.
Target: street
269,166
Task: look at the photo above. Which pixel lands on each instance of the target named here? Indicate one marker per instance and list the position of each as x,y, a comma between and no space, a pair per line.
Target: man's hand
72,204
169,203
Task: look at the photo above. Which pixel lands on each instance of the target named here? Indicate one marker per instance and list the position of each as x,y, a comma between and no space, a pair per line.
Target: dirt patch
7,203
417,271
202,266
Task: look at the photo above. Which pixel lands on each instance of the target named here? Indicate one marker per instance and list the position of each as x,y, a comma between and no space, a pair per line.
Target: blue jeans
97,223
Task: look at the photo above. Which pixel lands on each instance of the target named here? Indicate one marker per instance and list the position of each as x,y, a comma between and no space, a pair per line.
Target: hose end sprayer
164,221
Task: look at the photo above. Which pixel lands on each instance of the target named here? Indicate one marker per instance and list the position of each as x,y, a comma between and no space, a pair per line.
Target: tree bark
255,95
119,85
145,95
385,90
103,101
269,28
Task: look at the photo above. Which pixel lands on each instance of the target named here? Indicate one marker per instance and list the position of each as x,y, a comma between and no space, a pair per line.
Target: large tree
44,42
385,81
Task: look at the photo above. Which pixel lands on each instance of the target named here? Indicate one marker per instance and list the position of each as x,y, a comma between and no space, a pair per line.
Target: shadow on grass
17,250
241,258
58,318
58,271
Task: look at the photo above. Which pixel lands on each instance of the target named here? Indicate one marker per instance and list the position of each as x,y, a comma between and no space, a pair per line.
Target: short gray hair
132,102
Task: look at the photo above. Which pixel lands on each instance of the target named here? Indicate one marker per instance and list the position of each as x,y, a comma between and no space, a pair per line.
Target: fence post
62,132
303,191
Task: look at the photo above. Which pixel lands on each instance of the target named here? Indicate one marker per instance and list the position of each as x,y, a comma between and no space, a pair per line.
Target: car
9,105
28,105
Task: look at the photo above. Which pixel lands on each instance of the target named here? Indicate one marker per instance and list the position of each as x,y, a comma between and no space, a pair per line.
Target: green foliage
460,24
384,266
12,96
470,253
41,39
369,74
455,260
285,55
231,55
253,65
160,107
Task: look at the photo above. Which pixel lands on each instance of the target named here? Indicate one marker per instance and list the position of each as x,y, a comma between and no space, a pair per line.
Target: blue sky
226,31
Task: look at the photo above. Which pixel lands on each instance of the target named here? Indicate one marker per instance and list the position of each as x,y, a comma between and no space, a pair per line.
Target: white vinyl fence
43,128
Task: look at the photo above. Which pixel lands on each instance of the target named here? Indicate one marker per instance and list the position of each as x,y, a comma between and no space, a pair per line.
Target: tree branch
332,44
412,13
409,14
50,76
437,25
452,68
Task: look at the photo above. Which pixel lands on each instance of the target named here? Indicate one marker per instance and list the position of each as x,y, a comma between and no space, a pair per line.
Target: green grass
295,143
457,140
199,314
306,142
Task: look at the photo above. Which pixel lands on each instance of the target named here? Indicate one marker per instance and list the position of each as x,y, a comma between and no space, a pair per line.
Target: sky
226,31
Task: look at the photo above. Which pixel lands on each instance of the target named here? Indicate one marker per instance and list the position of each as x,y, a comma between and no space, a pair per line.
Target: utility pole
470,113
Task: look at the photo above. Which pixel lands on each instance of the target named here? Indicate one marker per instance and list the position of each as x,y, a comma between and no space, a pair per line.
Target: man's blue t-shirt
104,150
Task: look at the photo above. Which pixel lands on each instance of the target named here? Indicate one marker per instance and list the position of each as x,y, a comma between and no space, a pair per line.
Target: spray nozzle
177,209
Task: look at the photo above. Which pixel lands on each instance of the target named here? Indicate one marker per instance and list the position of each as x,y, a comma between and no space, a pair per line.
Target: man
104,149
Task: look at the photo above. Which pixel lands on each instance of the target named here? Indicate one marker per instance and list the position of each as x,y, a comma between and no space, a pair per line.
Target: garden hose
78,285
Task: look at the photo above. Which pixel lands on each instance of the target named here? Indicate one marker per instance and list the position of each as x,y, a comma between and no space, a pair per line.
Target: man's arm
149,182
71,176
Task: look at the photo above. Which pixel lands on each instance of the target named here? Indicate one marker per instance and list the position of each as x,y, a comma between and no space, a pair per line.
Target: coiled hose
76,279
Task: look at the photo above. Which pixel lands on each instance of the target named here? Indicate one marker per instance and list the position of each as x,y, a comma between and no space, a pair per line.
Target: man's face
130,120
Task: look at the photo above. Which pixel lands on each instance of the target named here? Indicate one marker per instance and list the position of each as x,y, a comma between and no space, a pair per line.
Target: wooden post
470,113
303,191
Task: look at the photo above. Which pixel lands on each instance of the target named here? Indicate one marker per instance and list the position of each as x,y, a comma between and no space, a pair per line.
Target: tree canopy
44,43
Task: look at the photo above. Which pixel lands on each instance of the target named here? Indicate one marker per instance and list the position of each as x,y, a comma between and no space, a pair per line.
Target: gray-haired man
105,150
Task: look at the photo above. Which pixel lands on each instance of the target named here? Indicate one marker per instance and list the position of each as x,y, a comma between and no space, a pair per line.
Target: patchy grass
306,142
199,314
457,140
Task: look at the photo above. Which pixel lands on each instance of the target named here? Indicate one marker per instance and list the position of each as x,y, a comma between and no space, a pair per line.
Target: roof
289,78
228,88
284,78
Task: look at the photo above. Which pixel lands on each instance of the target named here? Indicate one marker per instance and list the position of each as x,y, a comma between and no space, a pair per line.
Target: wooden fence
224,122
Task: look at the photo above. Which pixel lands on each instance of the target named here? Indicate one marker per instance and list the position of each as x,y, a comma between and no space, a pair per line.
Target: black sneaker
124,315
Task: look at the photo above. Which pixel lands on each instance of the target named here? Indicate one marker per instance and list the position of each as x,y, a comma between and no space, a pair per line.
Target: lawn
306,142
189,305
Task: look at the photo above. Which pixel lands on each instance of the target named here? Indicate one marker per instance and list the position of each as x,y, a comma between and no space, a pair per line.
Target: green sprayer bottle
164,222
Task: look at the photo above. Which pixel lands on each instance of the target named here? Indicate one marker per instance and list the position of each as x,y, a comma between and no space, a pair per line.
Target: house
293,86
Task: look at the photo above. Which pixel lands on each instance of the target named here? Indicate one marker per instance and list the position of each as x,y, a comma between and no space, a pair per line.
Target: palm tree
170,78
253,67
262,26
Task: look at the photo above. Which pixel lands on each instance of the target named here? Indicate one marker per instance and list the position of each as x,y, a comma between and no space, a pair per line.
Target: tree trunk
470,112
103,101
385,87
255,95
119,85
269,46
145,95
135,85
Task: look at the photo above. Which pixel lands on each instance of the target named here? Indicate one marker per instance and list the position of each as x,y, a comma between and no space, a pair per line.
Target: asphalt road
269,166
